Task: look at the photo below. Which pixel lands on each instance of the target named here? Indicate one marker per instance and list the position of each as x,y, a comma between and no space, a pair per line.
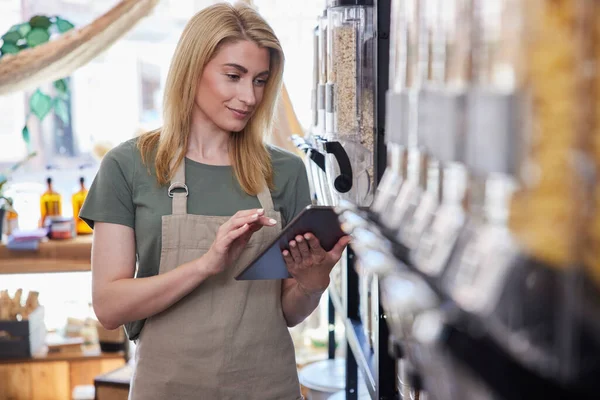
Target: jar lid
344,3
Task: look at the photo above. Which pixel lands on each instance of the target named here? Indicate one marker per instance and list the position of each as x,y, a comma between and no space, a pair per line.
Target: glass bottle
77,201
50,203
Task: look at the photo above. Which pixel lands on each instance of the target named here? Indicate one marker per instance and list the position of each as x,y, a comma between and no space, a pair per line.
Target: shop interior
458,141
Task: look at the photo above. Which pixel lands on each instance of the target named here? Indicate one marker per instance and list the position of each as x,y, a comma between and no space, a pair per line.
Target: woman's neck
208,144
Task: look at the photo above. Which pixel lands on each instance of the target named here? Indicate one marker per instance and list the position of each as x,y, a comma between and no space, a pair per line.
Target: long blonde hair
201,39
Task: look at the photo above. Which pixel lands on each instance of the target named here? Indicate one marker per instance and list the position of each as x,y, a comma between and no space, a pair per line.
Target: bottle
12,221
77,201
50,204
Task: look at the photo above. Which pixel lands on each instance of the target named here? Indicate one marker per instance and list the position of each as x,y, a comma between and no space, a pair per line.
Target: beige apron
227,339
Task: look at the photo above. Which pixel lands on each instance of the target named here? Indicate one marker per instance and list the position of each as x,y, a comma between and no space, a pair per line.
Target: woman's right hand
233,236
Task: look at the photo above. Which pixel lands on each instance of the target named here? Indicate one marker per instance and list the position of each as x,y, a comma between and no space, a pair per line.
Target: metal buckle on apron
177,185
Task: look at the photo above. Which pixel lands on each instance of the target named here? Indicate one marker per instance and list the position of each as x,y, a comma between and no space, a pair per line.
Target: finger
295,252
235,234
266,221
249,219
315,245
339,247
262,221
289,261
244,217
303,248
246,213
255,227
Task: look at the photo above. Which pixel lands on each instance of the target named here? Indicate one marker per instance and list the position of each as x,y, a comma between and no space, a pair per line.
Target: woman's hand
233,236
309,264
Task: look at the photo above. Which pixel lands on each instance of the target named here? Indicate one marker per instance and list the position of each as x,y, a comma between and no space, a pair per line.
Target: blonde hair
200,41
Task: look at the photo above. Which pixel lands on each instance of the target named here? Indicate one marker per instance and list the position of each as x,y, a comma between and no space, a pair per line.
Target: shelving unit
53,376
377,368
52,256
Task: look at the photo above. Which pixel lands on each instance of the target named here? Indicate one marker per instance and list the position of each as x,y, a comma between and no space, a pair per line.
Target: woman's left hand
310,264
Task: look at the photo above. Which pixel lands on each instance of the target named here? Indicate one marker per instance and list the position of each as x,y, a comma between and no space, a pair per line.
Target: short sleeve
110,197
299,197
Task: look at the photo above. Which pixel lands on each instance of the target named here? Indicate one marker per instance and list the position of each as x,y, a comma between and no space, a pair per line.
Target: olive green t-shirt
123,192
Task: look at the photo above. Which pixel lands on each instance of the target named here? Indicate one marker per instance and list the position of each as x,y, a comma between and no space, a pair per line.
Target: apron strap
265,199
180,196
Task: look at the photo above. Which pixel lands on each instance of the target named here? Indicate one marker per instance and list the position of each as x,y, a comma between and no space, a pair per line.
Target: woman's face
232,85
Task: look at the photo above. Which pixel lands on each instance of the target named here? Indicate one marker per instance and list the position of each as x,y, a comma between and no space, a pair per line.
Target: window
112,98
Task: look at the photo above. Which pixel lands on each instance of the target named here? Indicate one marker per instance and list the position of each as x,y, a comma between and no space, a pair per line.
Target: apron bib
225,340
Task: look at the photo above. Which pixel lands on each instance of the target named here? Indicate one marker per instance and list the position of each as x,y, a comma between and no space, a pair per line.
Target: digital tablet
321,221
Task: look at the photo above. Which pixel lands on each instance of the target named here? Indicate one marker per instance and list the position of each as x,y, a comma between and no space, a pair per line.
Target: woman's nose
246,94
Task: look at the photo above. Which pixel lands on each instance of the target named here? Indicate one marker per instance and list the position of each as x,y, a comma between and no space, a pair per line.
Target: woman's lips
239,114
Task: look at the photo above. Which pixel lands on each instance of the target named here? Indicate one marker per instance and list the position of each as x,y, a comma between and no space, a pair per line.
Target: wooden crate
26,338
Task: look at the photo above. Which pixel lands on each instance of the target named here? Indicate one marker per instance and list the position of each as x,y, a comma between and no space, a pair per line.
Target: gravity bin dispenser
499,296
312,143
349,101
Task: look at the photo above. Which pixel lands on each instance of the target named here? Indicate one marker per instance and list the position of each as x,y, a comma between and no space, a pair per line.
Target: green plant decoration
38,30
6,202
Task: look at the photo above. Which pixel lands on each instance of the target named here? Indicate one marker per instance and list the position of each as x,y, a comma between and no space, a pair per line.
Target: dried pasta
543,212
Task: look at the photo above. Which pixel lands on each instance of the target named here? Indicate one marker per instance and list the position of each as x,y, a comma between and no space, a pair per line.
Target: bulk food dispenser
517,273
312,144
304,144
500,298
445,107
396,138
350,105
424,169
410,63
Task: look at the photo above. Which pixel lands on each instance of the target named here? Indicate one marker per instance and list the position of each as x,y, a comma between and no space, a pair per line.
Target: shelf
52,256
365,359
82,356
120,377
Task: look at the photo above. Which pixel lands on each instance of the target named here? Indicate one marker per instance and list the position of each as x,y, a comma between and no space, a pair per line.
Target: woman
192,203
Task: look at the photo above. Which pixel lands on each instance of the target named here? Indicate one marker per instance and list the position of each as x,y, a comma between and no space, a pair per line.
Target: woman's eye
260,82
233,77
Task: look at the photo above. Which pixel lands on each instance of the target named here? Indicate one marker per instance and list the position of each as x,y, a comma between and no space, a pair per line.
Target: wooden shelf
83,356
52,256
53,377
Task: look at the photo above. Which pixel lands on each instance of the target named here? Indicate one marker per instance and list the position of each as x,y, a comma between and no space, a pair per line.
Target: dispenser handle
343,182
317,157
